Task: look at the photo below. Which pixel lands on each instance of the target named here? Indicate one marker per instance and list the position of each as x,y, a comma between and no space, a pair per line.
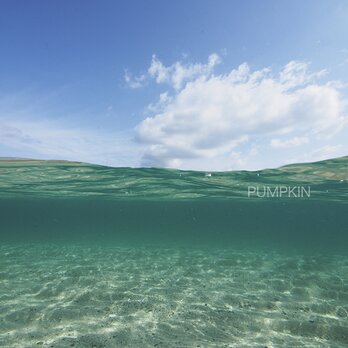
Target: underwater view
94,256
173,174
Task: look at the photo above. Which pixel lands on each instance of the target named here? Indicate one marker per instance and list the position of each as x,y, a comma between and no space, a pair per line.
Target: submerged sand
83,296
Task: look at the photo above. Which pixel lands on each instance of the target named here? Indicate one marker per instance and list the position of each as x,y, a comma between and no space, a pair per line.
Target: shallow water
92,256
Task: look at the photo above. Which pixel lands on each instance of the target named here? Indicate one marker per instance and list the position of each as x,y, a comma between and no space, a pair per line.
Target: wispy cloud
31,125
174,75
48,139
134,82
296,73
321,153
288,143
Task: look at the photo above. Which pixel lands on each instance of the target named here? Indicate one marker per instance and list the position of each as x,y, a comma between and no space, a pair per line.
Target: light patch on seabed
62,296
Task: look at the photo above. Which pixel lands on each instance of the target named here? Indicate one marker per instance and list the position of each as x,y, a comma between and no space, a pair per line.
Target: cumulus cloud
178,73
212,118
174,75
296,73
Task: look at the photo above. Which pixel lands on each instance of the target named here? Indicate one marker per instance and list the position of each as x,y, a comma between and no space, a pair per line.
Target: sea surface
93,256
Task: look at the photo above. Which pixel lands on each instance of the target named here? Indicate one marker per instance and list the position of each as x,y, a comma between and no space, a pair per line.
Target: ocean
93,256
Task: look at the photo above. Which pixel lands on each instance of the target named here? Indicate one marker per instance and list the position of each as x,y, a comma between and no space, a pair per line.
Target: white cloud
164,99
296,141
295,74
210,120
178,73
174,75
134,82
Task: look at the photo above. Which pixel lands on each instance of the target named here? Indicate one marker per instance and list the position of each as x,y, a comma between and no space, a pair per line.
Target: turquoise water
92,256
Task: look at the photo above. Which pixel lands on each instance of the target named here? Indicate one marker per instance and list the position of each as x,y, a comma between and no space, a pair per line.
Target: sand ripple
82,296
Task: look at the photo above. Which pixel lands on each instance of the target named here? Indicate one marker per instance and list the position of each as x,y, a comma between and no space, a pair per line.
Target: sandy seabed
83,296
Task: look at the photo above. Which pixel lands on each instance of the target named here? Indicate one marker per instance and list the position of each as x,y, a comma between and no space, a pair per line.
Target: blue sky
209,85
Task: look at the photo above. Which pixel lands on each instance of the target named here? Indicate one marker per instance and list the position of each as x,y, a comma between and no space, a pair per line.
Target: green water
93,256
